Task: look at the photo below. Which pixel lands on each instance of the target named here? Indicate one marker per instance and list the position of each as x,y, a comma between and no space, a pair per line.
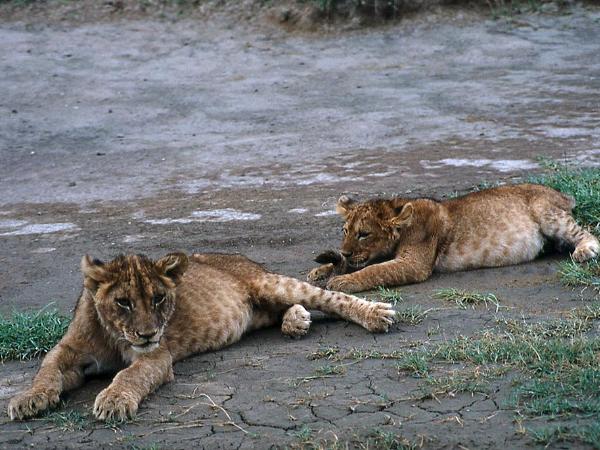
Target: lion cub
138,316
402,241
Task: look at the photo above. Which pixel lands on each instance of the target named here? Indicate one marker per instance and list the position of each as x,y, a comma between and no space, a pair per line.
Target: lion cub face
372,229
135,296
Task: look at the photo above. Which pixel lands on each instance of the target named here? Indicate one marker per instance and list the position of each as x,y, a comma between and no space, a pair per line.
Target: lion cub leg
279,290
559,224
120,400
60,372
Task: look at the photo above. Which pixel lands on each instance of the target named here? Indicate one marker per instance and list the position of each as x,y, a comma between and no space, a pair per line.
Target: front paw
344,283
31,403
115,404
320,274
379,317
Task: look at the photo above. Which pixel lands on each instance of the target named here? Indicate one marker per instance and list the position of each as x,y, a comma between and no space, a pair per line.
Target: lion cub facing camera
138,316
401,241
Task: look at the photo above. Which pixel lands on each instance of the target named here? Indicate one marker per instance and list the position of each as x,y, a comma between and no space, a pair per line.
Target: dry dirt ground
148,136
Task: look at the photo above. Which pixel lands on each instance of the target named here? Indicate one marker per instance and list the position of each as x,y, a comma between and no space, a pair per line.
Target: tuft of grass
388,440
330,353
412,315
392,296
70,420
588,434
557,370
469,381
330,370
27,335
588,312
416,363
304,434
565,328
359,354
465,298
586,274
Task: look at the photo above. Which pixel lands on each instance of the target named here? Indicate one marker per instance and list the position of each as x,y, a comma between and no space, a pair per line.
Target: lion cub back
497,227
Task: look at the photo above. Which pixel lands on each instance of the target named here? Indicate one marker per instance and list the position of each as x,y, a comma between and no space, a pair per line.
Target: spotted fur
401,241
136,316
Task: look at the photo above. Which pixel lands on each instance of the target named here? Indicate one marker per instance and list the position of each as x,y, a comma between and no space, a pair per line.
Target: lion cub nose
146,334
346,254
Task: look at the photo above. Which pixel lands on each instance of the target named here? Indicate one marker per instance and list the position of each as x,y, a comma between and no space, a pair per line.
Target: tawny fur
401,241
138,316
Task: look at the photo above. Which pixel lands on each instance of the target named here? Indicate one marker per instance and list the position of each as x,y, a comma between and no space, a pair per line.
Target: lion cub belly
500,245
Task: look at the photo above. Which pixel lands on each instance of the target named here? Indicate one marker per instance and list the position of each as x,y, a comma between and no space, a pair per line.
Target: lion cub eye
123,303
158,299
363,235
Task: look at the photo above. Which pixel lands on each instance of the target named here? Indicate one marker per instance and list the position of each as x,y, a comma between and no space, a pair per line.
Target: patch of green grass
330,353
330,370
359,354
465,298
69,420
469,381
412,315
559,393
589,434
388,440
356,354
557,369
588,312
576,274
27,335
417,363
392,296
565,328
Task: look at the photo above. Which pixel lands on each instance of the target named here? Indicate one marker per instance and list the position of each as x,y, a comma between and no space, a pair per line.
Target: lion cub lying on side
139,316
402,241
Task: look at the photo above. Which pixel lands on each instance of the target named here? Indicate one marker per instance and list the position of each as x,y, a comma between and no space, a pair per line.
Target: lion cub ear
94,272
344,205
404,217
173,265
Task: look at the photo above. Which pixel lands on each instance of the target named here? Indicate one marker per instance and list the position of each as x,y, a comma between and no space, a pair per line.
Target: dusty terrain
149,136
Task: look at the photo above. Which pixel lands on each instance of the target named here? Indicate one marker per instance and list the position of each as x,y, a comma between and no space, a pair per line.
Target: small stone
71,184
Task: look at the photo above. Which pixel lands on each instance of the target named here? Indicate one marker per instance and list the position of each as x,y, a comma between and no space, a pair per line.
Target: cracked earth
149,136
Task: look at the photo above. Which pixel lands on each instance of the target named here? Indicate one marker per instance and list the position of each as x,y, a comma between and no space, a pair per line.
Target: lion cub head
134,296
373,229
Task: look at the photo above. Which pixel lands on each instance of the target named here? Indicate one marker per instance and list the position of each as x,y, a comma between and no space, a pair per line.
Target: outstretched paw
114,404
296,321
586,250
31,403
379,317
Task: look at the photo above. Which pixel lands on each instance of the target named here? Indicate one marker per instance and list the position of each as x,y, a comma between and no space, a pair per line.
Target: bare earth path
151,136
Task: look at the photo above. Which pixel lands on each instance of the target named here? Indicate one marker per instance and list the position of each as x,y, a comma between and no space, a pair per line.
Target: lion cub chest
495,244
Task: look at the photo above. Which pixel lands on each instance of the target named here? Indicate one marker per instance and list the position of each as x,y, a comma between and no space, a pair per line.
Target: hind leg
296,321
558,224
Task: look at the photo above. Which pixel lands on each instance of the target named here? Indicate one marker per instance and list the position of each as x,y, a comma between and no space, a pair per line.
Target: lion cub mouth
146,347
